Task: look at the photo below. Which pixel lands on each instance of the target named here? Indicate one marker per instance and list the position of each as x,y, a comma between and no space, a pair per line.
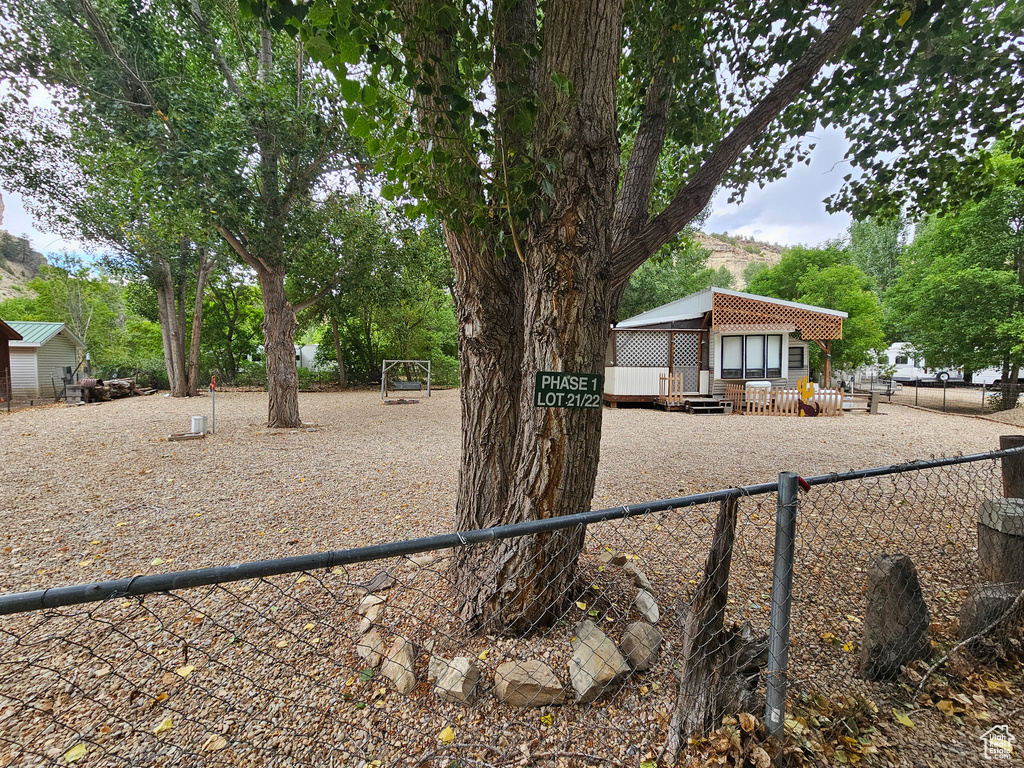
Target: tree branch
632,205
211,43
691,198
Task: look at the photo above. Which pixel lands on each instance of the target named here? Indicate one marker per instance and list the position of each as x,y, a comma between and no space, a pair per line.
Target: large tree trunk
175,344
165,332
279,346
546,311
342,377
205,267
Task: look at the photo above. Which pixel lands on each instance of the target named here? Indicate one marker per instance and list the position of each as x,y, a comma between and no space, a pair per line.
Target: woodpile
99,390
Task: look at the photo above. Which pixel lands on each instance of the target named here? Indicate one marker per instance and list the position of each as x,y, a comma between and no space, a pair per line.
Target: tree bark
202,273
279,346
549,305
699,684
546,311
342,377
165,332
176,370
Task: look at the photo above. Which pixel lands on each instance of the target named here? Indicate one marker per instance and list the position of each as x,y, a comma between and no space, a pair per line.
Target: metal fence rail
361,658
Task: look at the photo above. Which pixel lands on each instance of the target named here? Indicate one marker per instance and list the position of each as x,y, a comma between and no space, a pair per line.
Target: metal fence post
782,598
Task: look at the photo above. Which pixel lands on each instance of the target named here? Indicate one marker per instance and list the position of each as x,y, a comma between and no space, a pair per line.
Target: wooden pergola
820,327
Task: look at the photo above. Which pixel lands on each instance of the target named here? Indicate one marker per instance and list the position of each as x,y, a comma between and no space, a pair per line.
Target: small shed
7,335
39,358
715,338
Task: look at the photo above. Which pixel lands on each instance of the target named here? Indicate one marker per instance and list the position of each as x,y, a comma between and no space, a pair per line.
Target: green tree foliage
231,328
722,278
961,296
825,277
876,246
395,300
846,288
678,270
93,307
228,110
938,92
783,279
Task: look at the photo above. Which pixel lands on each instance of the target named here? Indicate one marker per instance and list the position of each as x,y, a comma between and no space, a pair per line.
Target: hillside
736,253
18,262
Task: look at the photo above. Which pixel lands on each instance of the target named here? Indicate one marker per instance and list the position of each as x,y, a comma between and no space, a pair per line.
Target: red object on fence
213,383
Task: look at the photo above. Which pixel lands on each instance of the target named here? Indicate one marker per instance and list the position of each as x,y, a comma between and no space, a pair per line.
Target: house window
752,357
732,357
773,354
796,358
902,359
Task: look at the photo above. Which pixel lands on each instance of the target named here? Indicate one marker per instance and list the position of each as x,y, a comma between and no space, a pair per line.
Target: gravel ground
97,492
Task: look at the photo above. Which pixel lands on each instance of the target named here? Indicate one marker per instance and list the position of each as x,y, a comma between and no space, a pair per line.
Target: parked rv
991,377
909,367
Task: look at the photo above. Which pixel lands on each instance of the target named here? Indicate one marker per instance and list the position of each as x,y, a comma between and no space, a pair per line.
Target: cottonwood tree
961,296
232,110
508,118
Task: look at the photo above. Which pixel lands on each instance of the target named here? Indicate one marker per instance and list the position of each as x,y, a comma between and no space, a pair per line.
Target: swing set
409,384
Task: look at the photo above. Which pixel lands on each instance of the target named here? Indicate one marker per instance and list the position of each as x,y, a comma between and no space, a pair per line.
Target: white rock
367,603
459,681
528,684
611,557
596,664
641,643
639,578
398,665
647,606
369,648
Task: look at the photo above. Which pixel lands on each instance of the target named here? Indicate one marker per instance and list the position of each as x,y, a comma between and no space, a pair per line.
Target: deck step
705,405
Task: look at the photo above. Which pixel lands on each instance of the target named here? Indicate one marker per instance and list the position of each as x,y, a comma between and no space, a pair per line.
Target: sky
788,212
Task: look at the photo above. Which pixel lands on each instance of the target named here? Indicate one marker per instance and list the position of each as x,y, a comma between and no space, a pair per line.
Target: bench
406,386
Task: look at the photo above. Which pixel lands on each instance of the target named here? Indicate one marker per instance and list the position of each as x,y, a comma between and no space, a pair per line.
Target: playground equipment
398,385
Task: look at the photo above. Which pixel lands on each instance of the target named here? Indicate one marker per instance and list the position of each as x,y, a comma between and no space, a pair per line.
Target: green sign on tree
554,389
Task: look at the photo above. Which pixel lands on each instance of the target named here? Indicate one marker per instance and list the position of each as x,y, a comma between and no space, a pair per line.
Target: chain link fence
948,397
661,645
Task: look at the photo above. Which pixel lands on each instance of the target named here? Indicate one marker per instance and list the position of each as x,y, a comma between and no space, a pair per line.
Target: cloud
790,211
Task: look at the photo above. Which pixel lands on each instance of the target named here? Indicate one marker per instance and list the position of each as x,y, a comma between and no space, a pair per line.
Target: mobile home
715,338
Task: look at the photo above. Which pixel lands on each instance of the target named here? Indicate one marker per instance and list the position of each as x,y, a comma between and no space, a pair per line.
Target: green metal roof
36,333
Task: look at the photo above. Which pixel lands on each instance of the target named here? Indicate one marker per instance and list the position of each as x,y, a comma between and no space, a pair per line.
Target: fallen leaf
747,722
903,719
447,736
157,561
301,579
309,626
946,707
1000,687
483,655
185,671
547,720
165,725
214,742
581,605
76,753
760,758
281,644
168,678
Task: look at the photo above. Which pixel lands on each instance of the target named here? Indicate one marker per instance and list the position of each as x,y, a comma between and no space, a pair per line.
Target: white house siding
51,358
795,374
24,377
